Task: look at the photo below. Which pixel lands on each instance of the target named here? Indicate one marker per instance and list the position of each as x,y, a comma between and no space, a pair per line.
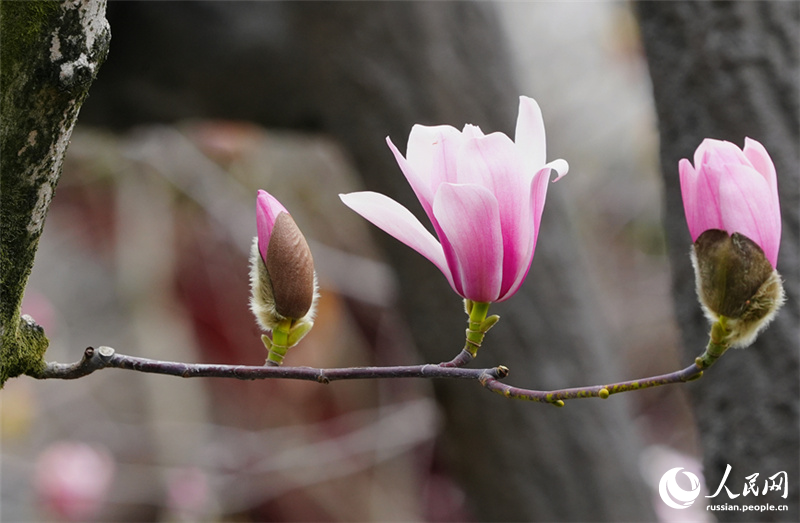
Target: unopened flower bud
282,278
735,281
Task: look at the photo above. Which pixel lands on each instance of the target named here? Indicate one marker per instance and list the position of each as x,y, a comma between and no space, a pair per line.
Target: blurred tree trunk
51,52
728,70
361,71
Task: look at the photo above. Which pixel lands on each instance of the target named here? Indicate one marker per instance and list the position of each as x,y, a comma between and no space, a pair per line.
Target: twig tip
105,352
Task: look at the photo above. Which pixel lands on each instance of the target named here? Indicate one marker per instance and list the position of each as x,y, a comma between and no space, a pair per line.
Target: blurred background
145,250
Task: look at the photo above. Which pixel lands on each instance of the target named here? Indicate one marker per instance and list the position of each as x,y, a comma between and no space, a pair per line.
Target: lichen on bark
50,54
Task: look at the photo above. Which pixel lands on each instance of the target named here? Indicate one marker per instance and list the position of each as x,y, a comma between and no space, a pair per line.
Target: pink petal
720,151
470,219
398,221
758,156
538,195
432,152
762,162
688,178
419,181
429,161
539,191
746,207
700,191
472,131
493,161
560,166
529,135
525,249
267,210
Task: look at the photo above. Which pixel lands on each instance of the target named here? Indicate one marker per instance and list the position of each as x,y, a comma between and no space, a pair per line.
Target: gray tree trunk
51,52
728,70
361,71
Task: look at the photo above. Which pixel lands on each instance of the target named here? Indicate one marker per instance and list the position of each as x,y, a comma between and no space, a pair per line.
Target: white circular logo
672,494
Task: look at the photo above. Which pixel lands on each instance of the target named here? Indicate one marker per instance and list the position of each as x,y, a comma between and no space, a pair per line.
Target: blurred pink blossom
41,309
72,480
484,196
733,190
188,492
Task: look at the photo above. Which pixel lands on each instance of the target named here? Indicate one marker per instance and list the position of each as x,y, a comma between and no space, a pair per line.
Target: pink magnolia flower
484,196
735,191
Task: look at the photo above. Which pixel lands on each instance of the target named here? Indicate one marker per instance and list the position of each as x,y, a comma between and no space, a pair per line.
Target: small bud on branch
282,278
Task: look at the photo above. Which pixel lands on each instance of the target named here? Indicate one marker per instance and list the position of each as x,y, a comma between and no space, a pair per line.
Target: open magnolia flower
730,197
484,196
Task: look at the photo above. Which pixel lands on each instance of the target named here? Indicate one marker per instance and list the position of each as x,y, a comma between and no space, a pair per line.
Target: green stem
280,342
717,343
476,330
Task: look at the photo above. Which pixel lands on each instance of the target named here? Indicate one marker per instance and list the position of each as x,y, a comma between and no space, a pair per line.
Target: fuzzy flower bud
730,197
736,281
282,278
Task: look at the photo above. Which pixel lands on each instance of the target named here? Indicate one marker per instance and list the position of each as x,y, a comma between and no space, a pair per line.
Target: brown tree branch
106,357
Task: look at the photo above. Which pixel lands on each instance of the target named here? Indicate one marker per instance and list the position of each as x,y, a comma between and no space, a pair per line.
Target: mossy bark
50,55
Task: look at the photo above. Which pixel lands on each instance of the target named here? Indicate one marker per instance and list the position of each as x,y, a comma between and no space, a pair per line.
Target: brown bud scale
291,268
737,282
731,269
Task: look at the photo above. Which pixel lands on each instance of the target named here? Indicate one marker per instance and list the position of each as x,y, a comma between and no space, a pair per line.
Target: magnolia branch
557,397
490,378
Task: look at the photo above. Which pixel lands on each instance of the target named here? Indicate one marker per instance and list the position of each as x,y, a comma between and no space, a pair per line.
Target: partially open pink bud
730,198
733,190
282,277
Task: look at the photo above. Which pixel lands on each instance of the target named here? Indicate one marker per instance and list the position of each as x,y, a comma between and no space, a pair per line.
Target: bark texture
360,71
728,70
50,55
